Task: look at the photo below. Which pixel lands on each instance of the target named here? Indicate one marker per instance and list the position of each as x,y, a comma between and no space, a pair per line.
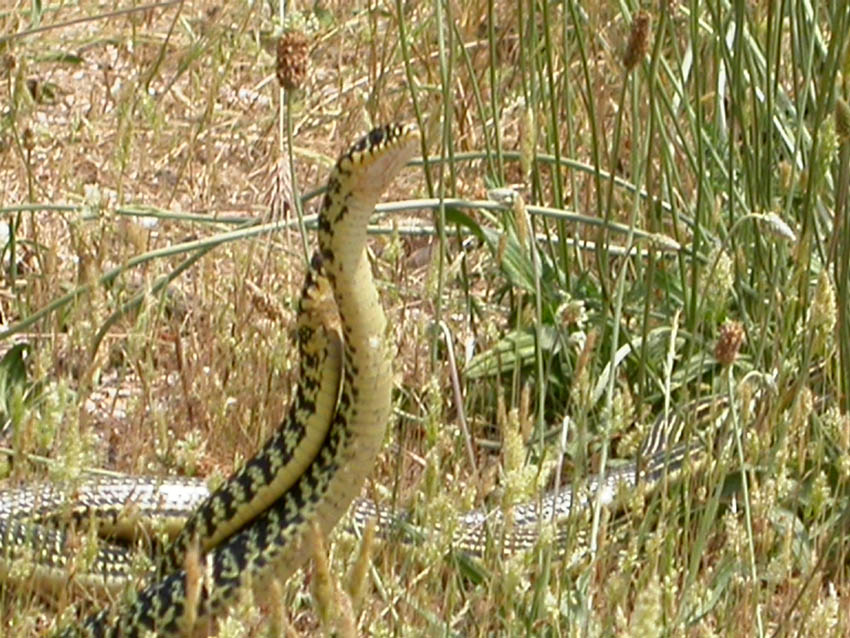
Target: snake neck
342,244
361,316
354,187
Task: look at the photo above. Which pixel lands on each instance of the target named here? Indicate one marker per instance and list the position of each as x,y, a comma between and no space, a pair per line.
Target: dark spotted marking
343,211
324,223
375,139
377,136
334,185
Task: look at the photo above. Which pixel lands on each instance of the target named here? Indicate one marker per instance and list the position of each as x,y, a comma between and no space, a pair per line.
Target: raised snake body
305,477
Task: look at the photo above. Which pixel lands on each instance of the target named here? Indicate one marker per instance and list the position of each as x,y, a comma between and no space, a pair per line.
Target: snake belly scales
307,474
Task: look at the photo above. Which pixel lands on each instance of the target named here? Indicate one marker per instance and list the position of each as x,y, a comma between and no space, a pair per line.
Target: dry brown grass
176,108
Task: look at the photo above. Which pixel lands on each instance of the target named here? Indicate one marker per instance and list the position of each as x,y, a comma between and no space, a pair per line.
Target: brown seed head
729,342
638,41
292,59
28,141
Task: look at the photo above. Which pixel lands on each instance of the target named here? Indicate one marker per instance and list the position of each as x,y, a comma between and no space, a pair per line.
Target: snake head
377,156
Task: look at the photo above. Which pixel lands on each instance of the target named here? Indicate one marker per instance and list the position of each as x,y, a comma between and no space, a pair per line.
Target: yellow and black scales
271,545
309,471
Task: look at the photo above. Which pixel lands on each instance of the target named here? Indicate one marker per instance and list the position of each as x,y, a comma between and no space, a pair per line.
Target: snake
254,526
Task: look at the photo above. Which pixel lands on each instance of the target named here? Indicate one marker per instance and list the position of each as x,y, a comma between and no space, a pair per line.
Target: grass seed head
292,59
729,342
638,41
715,283
824,309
